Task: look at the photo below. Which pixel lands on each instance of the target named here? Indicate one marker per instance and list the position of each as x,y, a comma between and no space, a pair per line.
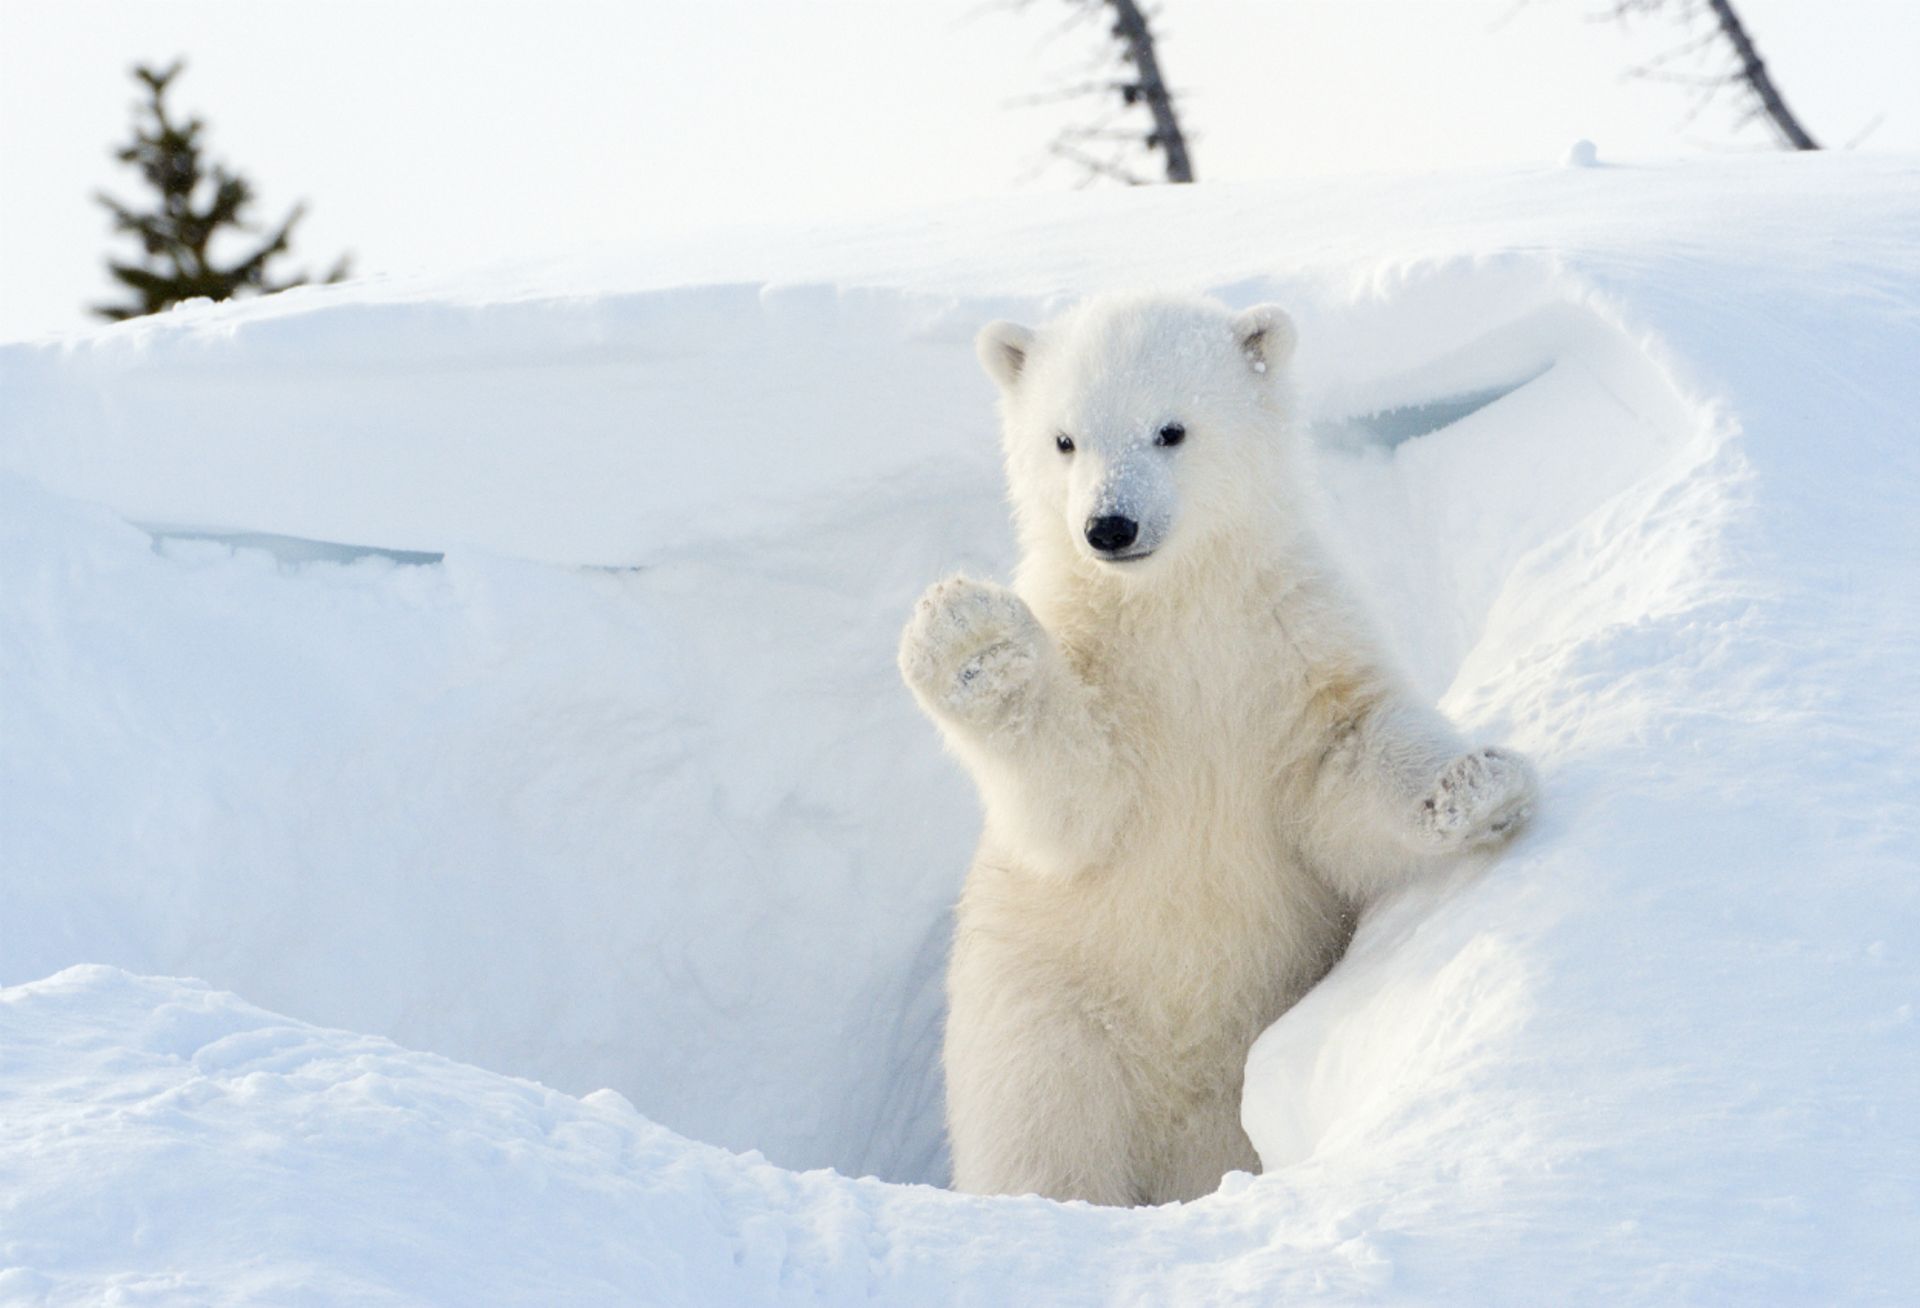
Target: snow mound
510,675
216,1128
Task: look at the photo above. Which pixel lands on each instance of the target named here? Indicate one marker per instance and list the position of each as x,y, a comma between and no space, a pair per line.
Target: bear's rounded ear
1266,336
1003,348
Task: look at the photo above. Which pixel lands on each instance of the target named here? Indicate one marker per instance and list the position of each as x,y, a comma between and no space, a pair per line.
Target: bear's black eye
1063,443
1171,434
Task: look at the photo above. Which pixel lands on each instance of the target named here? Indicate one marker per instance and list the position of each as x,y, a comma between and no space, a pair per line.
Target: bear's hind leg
1207,1144
1037,1104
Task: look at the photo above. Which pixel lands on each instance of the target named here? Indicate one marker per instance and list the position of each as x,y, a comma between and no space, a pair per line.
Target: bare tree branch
1749,73
1141,85
1873,125
1095,167
1082,91
1130,25
1754,71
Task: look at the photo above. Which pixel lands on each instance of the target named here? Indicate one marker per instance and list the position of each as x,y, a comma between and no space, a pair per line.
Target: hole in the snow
288,549
1435,502
1389,427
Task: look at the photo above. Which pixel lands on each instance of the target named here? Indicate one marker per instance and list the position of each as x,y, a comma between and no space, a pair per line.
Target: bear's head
1141,428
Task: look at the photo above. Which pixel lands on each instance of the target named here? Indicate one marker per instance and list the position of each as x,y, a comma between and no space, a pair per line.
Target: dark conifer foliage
196,205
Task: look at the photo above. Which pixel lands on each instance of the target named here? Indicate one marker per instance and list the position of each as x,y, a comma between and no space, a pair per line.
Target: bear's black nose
1111,533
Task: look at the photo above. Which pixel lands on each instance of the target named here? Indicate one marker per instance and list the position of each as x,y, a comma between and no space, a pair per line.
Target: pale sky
438,135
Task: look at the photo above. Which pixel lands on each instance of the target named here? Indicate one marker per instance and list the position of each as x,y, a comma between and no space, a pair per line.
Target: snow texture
503,667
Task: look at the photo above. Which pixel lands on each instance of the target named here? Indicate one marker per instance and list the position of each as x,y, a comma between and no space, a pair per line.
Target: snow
502,667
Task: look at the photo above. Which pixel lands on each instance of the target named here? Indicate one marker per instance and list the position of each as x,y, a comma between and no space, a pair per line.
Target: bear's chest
1211,709
1186,954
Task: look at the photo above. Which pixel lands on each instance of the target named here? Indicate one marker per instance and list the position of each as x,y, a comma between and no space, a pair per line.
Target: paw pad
1478,799
971,648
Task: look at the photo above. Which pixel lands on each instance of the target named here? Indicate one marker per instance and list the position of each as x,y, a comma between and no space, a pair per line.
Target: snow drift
504,667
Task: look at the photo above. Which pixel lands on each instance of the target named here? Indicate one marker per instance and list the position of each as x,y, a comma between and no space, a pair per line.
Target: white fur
1195,766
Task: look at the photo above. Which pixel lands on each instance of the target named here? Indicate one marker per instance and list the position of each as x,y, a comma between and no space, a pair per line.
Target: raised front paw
973,650
1478,800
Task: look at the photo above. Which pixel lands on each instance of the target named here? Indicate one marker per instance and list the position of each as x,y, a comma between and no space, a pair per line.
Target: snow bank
638,828
505,668
215,1131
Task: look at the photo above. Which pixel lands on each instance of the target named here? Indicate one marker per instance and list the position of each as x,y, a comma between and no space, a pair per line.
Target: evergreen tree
198,204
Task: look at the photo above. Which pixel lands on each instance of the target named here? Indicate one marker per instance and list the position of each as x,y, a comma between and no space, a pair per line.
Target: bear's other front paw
1480,799
973,649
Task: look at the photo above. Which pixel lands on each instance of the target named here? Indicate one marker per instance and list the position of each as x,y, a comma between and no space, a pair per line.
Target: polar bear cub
1194,761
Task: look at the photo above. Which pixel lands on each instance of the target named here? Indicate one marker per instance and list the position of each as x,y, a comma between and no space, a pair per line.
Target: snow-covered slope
503,667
